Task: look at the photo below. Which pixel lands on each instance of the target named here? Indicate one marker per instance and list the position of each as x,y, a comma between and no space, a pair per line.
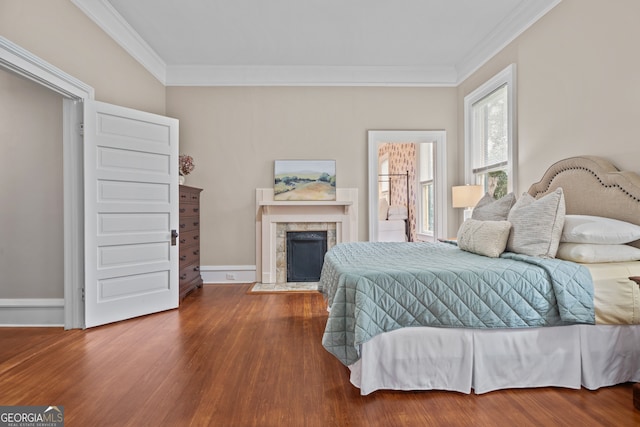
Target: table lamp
466,196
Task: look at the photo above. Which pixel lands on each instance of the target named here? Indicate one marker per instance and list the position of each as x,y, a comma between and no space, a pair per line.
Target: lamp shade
466,196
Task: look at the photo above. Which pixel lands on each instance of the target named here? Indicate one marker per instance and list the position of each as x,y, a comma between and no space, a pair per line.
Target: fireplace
274,219
284,230
305,255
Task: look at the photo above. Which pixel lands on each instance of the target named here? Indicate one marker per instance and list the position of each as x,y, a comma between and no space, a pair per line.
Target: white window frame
505,77
421,233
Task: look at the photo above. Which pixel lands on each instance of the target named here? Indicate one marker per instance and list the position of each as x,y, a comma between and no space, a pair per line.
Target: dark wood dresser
189,240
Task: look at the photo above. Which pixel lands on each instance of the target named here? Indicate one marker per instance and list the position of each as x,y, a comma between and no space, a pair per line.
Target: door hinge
81,129
82,294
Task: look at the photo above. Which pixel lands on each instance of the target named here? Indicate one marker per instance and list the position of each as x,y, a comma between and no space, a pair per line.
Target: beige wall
577,94
235,134
578,86
31,217
58,32
31,258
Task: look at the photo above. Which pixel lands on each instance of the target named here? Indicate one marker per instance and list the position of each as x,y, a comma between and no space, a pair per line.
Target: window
427,197
490,145
383,172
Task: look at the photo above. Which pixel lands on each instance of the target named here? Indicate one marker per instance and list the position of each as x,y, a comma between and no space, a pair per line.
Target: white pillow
537,224
590,253
598,230
397,212
488,238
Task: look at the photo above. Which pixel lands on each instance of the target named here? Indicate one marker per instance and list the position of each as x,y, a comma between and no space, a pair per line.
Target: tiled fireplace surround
274,218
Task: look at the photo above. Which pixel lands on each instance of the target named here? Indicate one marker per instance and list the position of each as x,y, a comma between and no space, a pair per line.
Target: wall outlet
231,276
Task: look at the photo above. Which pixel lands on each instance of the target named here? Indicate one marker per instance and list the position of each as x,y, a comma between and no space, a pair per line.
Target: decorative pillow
383,209
490,209
488,238
397,212
598,230
590,253
537,224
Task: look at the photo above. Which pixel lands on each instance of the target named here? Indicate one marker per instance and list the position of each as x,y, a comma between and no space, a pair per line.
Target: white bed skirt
462,360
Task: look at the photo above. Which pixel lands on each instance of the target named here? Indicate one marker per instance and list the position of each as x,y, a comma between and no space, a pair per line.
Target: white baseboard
32,312
214,274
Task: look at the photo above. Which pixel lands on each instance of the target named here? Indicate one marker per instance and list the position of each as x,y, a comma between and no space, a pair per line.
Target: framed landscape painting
304,180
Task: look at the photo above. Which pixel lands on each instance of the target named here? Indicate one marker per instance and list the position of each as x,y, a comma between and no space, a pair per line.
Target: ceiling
313,42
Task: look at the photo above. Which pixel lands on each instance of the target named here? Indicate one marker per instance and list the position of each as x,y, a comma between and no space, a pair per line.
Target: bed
542,322
392,223
393,219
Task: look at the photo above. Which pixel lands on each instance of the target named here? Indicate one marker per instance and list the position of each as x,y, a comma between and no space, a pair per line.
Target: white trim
106,17
73,184
32,312
506,76
24,63
219,274
310,76
439,137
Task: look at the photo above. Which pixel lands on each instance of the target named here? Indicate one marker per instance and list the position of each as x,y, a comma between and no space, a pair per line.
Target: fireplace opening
305,255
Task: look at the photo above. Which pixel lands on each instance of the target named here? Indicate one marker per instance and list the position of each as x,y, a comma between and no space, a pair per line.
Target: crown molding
309,76
513,25
106,17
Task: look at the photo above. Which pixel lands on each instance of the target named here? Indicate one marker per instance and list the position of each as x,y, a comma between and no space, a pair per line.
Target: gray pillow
536,225
490,209
488,238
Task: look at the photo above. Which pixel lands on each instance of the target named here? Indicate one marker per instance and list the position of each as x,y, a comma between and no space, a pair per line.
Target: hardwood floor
228,358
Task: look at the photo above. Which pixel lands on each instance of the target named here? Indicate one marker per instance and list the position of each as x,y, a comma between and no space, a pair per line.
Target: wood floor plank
228,358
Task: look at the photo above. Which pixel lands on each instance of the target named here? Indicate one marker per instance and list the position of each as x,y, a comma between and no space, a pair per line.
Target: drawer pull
183,257
182,276
196,252
197,268
183,225
195,224
183,240
196,209
183,209
196,237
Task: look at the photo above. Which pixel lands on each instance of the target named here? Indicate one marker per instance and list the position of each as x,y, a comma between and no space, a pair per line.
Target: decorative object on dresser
189,238
185,167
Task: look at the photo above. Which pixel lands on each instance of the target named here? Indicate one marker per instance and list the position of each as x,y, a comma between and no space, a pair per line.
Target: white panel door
131,208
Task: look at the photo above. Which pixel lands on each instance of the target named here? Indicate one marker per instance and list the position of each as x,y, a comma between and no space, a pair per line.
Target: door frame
439,137
22,62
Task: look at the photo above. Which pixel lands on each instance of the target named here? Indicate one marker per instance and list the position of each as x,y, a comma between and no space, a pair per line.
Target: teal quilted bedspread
379,287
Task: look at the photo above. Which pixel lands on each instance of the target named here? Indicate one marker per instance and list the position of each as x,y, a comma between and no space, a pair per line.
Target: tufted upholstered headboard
593,186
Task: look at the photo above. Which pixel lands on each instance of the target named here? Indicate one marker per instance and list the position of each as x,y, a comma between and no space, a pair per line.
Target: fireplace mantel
343,212
267,205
